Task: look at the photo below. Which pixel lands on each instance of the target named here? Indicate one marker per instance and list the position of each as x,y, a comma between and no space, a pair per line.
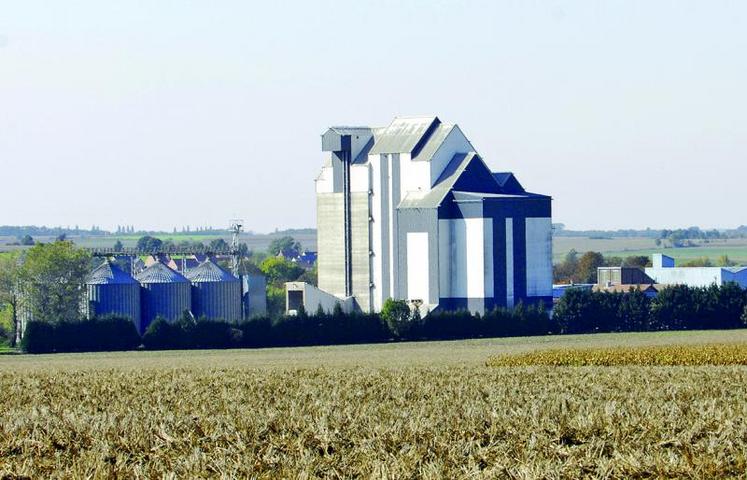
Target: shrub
397,316
210,334
38,337
161,335
674,309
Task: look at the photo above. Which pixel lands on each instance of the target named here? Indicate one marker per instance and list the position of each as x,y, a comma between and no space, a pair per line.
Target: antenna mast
236,226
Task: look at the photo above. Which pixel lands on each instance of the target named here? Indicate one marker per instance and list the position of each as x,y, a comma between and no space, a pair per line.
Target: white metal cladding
690,276
510,262
465,260
402,171
394,198
325,181
475,257
359,178
487,246
445,259
539,257
379,239
418,274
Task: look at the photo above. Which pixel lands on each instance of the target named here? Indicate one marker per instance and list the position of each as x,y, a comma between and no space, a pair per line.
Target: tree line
678,307
583,268
578,312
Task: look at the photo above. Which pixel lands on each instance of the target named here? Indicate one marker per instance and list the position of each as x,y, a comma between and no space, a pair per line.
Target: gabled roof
109,273
433,142
466,171
508,182
404,135
209,271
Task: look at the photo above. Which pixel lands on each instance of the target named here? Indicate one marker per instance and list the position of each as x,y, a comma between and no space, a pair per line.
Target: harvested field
430,410
668,355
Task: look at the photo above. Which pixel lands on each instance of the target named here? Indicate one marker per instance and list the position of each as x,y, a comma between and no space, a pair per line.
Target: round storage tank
216,294
112,291
164,293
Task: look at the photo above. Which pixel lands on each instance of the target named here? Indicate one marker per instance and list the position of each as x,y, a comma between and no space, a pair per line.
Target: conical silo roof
209,271
160,273
109,273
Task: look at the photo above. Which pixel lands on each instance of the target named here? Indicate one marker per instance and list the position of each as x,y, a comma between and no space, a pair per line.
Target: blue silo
112,291
216,294
164,293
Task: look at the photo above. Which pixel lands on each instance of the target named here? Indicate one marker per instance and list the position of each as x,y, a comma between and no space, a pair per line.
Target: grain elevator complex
411,211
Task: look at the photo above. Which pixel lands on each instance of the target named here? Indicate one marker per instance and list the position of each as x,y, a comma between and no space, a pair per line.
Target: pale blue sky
160,114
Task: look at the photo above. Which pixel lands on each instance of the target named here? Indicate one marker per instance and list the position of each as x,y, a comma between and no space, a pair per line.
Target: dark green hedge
105,334
578,311
674,308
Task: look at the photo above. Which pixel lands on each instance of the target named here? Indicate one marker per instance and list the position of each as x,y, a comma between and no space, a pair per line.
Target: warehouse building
411,211
665,272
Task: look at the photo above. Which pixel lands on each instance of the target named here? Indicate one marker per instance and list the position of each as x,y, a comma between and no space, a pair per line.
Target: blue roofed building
411,211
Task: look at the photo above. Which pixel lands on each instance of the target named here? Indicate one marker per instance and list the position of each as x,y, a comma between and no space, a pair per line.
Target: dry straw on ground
662,355
273,414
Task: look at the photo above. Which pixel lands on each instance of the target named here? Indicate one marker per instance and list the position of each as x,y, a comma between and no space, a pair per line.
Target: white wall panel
489,289
465,252
414,176
376,229
417,266
539,257
444,258
359,178
510,262
475,257
324,182
690,276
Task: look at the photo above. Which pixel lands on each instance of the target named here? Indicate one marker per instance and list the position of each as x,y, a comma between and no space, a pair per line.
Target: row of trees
583,269
674,308
318,329
579,311
156,245
694,233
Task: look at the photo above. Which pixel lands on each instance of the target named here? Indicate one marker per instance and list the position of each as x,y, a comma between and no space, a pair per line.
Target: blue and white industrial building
411,211
664,271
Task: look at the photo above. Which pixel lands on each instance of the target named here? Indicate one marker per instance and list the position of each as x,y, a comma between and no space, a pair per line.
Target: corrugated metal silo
216,294
164,293
111,290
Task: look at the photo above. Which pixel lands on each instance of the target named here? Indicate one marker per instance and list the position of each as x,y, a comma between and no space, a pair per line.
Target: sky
631,114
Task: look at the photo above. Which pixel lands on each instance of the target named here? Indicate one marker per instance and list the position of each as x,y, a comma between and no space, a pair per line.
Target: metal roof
160,273
433,143
508,182
209,271
735,269
109,274
468,178
403,135
443,186
341,130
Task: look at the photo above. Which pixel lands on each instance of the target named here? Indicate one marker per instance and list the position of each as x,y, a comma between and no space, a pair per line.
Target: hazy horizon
630,114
